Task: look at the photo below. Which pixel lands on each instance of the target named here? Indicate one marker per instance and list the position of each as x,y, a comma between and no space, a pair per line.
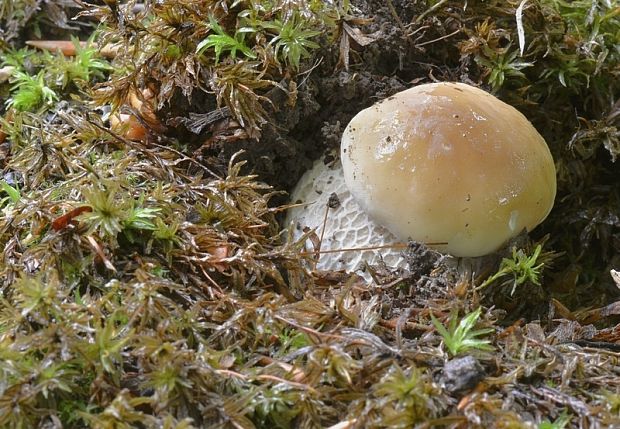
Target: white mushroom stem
349,236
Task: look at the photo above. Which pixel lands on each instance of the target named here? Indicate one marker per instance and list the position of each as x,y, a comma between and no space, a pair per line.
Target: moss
144,282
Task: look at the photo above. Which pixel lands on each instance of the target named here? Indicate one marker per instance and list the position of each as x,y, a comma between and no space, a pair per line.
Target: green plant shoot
221,42
30,92
522,267
461,337
293,40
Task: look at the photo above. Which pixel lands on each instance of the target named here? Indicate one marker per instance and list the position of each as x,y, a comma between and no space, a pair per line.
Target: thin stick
395,16
430,10
142,149
289,382
428,42
233,373
309,330
359,249
186,158
318,251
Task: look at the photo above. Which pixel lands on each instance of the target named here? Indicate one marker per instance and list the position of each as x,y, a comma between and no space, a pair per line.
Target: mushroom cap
449,163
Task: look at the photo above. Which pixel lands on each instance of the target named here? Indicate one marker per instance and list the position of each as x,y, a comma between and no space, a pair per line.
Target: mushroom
446,164
450,165
129,125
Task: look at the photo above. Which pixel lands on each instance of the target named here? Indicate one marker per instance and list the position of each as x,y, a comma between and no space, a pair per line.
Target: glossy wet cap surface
449,163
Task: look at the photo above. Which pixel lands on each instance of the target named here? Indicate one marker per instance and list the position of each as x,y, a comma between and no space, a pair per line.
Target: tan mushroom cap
449,163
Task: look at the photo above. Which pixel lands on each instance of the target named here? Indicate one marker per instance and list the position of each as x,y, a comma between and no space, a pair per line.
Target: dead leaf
6,72
359,37
592,316
219,253
63,221
129,126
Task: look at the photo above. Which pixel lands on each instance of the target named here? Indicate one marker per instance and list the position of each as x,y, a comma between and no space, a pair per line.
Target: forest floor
146,278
